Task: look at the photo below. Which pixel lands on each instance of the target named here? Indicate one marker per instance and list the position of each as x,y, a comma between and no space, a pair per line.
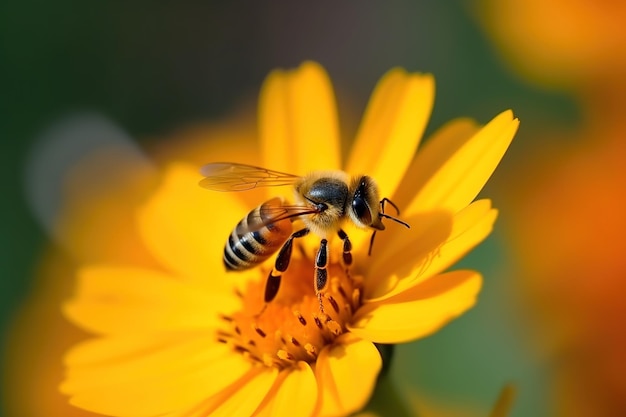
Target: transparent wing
268,215
229,176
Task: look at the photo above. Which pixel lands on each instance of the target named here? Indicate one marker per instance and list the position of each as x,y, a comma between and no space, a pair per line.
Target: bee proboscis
324,200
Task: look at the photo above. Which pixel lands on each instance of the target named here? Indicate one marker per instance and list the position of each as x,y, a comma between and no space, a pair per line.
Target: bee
324,201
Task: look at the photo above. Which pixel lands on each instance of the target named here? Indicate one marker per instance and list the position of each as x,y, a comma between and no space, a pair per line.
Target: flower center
294,326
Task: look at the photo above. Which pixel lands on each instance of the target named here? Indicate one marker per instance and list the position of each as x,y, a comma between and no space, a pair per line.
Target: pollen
294,326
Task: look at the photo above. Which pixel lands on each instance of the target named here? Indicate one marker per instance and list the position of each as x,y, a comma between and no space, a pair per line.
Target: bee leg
347,248
321,271
280,265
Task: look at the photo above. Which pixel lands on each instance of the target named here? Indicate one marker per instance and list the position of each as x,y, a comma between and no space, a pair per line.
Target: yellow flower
187,339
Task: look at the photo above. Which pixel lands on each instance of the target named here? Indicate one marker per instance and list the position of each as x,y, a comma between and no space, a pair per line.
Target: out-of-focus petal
294,389
186,226
418,257
346,374
124,300
76,153
463,170
419,311
298,123
392,127
148,375
504,403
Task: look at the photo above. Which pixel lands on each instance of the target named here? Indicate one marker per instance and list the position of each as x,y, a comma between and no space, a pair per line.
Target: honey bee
324,200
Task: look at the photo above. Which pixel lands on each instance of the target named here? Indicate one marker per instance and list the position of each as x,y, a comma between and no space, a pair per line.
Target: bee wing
269,215
229,176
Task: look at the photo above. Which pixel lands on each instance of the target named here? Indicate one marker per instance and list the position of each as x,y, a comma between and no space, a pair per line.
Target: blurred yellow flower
184,338
429,407
566,216
569,243
103,207
559,43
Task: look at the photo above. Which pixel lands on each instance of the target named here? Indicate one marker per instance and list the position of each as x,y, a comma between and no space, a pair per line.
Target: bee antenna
386,216
386,200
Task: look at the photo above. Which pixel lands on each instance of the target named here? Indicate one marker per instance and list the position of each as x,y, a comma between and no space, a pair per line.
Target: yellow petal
464,238
419,311
410,259
150,375
346,373
113,300
295,389
399,257
434,153
461,171
392,127
298,121
186,226
244,398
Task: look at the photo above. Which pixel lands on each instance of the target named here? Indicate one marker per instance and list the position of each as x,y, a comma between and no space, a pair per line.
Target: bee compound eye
362,211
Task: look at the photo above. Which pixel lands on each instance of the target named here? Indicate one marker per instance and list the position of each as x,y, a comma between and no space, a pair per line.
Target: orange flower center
294,326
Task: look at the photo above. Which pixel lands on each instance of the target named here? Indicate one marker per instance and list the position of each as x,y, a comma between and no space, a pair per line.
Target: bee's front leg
347,248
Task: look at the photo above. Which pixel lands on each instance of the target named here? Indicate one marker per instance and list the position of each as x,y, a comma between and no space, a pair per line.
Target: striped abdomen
256,237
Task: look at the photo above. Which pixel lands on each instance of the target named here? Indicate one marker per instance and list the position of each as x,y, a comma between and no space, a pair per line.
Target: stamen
226,318
356,297
342,292
333,303
268,360
259,331
300,317
334,327
284,355
255,359
224,333
240,349
311,350
348,310
281,336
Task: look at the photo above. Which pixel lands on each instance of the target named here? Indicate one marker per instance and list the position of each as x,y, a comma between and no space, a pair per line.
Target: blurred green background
153,67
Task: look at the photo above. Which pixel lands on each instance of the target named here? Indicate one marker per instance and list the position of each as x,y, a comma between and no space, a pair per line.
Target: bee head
364,207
